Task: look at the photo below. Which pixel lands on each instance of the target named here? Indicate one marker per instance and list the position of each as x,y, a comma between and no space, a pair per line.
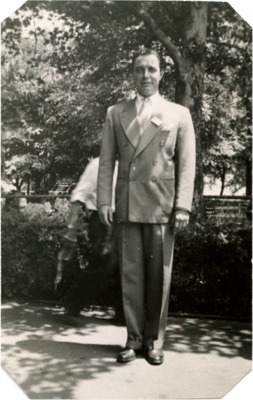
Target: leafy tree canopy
64,63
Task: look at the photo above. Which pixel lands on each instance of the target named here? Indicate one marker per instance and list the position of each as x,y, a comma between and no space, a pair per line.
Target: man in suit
154,142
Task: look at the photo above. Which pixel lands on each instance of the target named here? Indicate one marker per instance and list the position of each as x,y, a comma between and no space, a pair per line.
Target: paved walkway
51,359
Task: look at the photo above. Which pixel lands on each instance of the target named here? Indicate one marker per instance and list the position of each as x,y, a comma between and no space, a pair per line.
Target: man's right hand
105,215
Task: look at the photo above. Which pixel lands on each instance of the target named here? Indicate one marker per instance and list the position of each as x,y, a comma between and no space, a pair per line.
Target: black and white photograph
126,200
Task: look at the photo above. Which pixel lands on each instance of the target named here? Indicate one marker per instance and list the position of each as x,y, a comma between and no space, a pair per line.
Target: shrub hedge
30,243
212,264
212,271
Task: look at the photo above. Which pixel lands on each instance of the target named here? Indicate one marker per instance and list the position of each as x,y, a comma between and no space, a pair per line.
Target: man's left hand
180,219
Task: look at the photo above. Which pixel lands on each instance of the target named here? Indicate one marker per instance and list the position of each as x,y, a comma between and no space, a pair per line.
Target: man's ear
161,74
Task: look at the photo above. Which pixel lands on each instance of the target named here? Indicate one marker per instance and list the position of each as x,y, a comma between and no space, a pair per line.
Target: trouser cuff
155,345
134,345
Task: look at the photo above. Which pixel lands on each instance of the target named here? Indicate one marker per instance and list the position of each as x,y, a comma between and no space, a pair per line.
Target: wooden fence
220,209
228,209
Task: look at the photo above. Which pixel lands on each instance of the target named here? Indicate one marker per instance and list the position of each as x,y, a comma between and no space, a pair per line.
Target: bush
211,275
212,271
30,242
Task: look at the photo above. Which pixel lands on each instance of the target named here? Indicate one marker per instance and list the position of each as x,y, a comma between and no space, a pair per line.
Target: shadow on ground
224,338
47,356
52,367
61,365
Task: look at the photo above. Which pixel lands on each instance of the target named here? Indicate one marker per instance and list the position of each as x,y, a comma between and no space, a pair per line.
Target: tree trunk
190,84
28,186
223,178
248,177
18,183
37,181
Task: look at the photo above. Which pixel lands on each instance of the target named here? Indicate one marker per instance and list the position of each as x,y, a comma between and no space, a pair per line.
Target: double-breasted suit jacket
157,175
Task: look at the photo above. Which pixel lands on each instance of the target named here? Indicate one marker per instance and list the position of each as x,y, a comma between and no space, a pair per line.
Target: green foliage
30,242
225,129
211,275
226,125
212,270
64,63
70,64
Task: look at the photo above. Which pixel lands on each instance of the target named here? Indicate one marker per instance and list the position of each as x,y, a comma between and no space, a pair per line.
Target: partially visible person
15,201
84,197
102,240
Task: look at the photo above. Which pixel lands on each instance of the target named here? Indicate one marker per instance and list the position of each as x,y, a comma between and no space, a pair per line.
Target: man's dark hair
145,52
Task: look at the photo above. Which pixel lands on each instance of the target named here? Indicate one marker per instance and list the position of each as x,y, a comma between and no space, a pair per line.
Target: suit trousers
145,258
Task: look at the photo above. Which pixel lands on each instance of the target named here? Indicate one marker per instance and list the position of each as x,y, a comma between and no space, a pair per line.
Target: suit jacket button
154,162
162,143
153,178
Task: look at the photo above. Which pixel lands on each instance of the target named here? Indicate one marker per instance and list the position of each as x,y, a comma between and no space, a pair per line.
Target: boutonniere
156,121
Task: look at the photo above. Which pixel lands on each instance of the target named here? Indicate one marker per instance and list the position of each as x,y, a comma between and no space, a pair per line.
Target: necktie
137,126
144,114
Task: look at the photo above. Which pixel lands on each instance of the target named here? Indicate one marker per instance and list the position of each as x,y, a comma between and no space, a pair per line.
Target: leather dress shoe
154,356
126,356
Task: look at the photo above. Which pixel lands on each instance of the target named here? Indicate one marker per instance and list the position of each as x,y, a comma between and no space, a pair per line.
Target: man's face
147,74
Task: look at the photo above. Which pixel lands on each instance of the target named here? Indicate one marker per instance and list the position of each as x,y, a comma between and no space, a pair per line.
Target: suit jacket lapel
127,117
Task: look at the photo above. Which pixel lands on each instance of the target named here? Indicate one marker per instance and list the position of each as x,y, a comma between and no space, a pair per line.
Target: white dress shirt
86,189
153,100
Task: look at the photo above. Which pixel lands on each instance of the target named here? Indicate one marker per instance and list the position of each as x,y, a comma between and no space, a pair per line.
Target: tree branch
159,34
141,14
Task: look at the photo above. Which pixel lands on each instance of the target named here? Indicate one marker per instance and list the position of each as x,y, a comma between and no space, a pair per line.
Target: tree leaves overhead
65,62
